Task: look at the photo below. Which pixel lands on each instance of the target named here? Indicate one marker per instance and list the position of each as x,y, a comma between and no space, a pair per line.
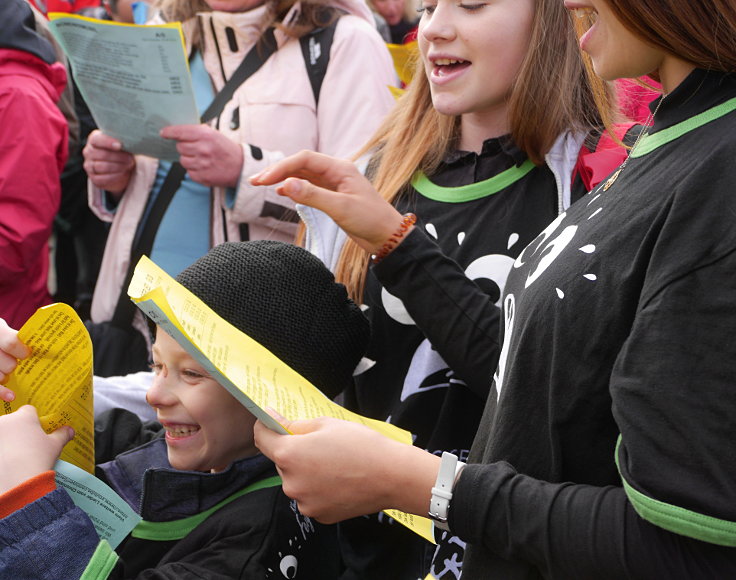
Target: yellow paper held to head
57,378
249,371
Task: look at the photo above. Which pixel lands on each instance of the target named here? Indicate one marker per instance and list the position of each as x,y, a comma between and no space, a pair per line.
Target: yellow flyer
404,57
57,378
254,376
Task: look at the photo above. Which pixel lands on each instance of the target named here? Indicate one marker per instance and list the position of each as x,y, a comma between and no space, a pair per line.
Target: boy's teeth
182,431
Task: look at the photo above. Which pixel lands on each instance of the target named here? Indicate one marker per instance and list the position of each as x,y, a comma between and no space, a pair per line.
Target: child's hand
25,449
11,349
336,187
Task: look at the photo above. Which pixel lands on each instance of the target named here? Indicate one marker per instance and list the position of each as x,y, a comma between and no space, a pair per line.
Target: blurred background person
324,88
33,150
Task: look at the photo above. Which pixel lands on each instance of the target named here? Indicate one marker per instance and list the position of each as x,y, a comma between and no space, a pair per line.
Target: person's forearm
574,531
457,317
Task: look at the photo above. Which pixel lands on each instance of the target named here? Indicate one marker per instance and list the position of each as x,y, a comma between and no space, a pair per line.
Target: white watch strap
439,505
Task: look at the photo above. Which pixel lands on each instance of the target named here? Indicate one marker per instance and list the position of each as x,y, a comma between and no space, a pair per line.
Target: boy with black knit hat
212,504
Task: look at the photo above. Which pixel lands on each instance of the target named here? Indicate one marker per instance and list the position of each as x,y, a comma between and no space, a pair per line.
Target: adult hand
11,349
107,165
25,449
209,157
337,470
336,187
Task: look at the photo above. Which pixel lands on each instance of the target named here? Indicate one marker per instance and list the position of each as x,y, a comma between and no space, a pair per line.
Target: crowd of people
526,261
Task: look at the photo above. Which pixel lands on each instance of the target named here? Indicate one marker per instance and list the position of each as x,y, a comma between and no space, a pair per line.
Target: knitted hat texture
287,300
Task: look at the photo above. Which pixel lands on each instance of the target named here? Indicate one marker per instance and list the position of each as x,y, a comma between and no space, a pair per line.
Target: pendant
611,180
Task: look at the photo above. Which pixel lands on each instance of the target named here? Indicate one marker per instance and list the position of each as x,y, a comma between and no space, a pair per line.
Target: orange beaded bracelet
407,220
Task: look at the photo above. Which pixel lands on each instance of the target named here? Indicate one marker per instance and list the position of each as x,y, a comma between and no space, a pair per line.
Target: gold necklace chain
648,123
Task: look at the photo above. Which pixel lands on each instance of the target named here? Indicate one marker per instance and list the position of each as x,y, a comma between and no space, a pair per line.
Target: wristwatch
439,505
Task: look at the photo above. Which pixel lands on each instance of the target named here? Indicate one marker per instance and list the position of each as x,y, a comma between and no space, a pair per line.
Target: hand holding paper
25,449
209,157
331,482
57,378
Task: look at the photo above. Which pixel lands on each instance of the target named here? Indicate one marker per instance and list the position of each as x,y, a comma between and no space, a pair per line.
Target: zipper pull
235,120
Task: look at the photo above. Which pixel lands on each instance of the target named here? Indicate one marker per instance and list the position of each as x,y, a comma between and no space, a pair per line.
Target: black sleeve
672,391
571,532
453,312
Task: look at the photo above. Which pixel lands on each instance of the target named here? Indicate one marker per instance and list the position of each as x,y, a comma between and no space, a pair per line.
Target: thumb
62,436
305,192
295,427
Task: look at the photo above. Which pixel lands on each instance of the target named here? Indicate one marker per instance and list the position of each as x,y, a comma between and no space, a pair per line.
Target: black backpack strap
316,51
255,58
259,54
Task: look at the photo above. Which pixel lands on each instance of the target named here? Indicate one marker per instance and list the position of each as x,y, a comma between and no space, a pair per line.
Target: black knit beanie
287,300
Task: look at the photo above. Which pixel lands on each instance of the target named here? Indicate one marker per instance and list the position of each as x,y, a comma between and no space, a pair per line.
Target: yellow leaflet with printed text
252,374
57,379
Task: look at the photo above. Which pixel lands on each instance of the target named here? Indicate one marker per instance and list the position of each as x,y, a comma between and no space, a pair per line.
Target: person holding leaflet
603,451
485,151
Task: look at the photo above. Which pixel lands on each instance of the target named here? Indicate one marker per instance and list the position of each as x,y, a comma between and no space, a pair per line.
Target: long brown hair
552,93
702,32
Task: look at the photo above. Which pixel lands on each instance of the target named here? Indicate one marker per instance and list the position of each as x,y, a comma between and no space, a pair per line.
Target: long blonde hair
552,93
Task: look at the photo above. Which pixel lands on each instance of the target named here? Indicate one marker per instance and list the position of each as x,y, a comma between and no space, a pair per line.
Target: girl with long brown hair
483,151
605,449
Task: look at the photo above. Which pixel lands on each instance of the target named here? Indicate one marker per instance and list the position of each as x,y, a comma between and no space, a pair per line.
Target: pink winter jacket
277,115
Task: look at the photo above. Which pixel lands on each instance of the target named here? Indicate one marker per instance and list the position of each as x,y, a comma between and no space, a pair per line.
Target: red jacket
33,150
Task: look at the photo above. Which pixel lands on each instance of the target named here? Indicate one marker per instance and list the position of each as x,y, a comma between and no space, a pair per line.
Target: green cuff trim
649,143
178,529
679,520
101,563
473,191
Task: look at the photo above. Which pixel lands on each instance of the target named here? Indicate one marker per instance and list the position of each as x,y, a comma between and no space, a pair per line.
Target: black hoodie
19,31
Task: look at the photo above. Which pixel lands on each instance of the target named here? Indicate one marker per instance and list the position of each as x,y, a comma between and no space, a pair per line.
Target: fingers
105,161
10,343
61,436
98,140
185,133
327,171
304,192
11,349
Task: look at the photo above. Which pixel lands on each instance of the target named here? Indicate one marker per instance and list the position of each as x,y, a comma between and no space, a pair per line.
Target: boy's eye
428,9
472,7
156,367
192,374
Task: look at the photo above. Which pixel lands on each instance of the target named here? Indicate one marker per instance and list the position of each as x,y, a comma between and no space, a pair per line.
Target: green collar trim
177,529
473,191
679,520
101,563
649,143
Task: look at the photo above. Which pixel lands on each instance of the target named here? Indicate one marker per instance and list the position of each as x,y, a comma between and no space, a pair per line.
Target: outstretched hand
25,449
337,470
11,349
336,187
209,157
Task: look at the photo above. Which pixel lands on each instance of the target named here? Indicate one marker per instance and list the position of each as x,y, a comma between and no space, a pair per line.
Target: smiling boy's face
206,427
